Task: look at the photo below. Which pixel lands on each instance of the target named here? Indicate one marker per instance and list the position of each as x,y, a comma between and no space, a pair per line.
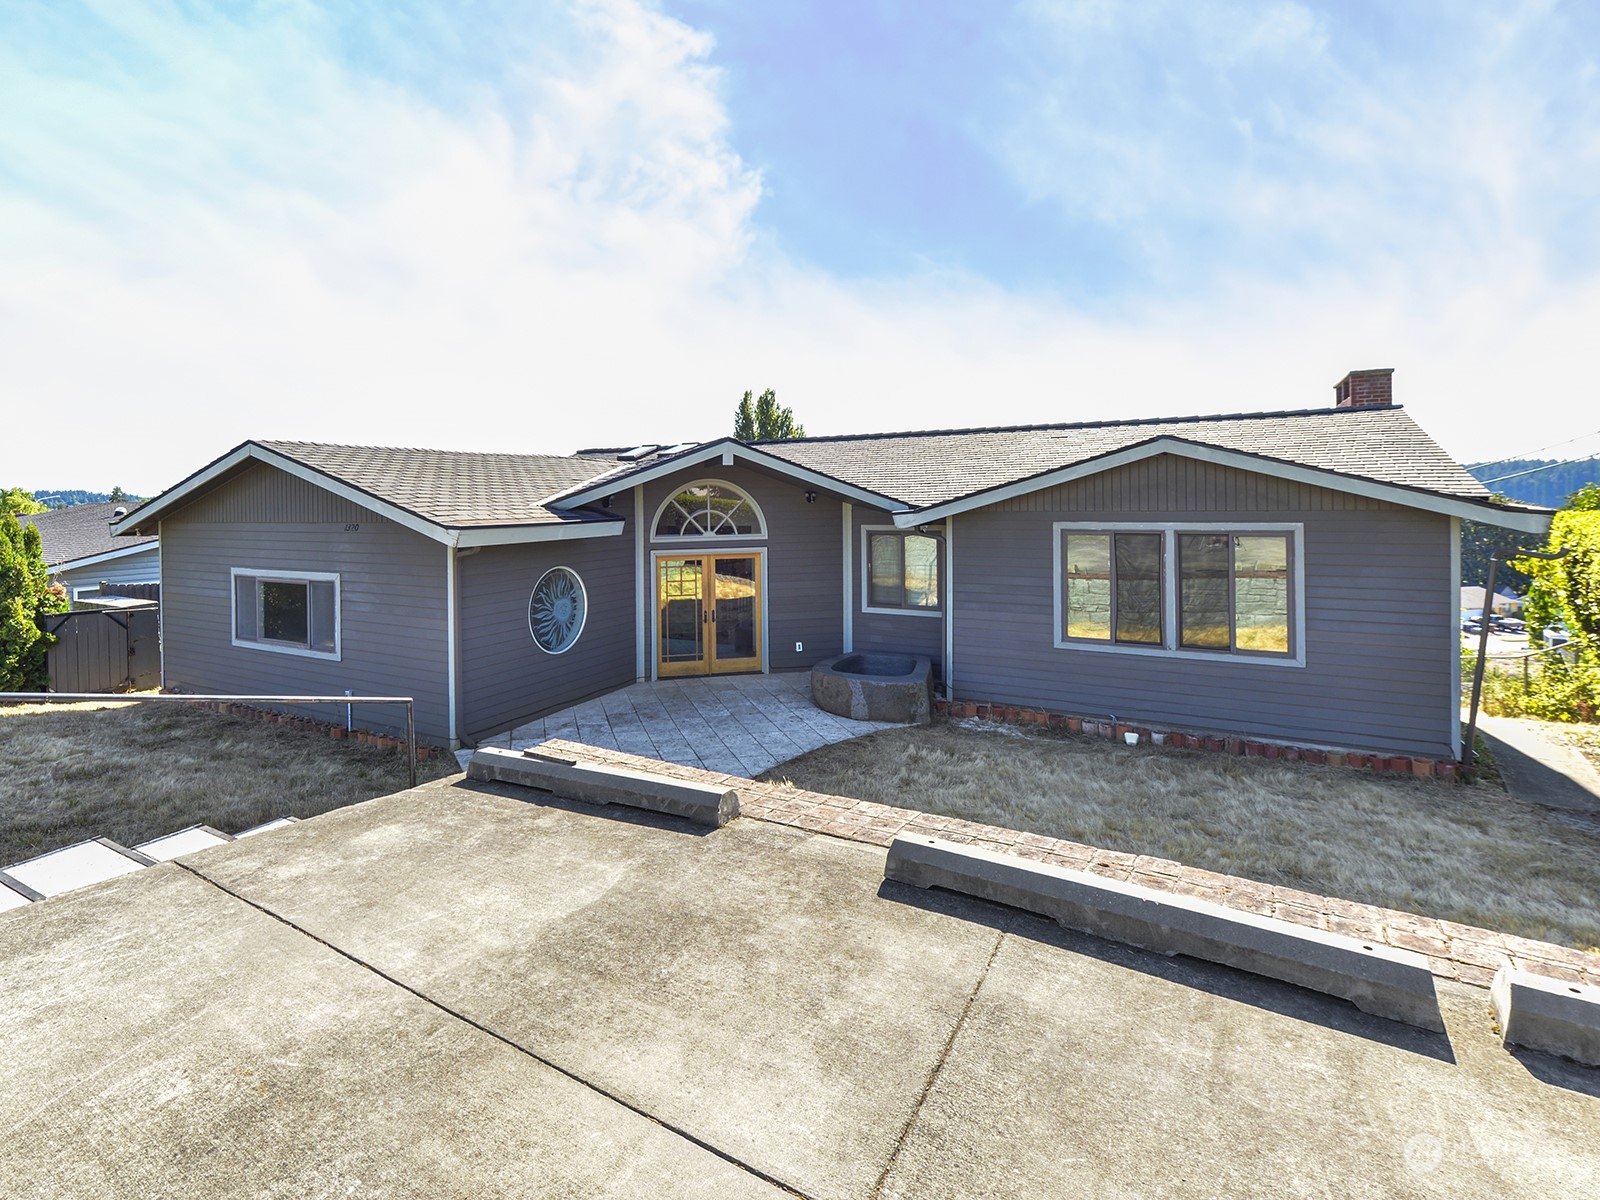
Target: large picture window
288,613
1180,589
901,572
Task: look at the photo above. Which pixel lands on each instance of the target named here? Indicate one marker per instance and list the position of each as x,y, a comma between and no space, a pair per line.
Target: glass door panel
736,613
682,616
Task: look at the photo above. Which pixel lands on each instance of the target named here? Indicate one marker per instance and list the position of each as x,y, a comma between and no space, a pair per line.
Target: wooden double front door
708,614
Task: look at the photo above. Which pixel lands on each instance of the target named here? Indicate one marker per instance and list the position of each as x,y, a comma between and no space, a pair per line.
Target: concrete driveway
459,991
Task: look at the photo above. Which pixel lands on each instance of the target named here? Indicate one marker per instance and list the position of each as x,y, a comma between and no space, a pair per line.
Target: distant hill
1549,484
75,496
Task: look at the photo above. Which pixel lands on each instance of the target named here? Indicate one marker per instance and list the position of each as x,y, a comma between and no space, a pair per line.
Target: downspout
849,639
642,579
950,609
1454,713
452,638
161,641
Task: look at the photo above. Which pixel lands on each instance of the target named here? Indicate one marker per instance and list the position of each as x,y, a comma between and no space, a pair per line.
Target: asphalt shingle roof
448,487
80,531
922,469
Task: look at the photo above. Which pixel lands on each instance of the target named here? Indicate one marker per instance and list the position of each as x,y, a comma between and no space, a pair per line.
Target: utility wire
1540,450
1566,462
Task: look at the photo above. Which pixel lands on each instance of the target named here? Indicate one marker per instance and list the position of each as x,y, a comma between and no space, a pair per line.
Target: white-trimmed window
286,612
1231,591
900,572
708,508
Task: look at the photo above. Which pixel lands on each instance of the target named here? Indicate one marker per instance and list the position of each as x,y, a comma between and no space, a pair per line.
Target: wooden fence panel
104,651
134,591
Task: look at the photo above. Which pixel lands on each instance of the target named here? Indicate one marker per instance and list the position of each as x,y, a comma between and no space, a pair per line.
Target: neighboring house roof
82,531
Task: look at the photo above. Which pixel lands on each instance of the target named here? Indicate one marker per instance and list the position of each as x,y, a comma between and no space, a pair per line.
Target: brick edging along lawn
1392,764
1458,952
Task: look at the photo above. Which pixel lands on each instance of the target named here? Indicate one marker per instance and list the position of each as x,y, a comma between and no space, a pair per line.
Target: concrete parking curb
592,783
1547,1014
1378,979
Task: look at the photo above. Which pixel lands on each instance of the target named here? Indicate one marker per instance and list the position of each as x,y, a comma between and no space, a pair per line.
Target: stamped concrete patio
732,724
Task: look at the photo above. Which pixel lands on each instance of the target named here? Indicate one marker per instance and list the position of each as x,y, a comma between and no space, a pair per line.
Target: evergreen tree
19,503
764,419
117,494
26,594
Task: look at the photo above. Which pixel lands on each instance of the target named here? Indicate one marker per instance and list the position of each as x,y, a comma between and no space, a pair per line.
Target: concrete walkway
733,724
1540,768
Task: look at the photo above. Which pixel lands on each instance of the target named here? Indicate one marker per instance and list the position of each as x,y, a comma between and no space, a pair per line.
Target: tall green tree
1567,589
25,595
19,503
764,419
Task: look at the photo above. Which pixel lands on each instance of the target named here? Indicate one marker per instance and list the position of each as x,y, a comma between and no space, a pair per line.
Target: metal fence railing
165,698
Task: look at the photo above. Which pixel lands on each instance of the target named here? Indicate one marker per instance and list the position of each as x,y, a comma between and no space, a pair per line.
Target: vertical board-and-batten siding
505,678
805,571
391,598
905,633
1379,632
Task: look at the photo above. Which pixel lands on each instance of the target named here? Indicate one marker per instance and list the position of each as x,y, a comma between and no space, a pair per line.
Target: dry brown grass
1467,854
131,772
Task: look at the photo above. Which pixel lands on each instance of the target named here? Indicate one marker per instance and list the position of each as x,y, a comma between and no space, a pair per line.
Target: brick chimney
1362,388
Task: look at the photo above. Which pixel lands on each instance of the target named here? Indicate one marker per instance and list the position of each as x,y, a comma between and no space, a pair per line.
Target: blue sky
536,226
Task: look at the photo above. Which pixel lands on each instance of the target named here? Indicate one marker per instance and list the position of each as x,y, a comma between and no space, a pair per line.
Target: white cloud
224,230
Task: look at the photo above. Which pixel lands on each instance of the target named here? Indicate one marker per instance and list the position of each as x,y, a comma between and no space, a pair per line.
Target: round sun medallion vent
557,609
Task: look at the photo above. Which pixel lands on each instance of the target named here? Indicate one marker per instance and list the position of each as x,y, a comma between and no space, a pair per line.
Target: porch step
185,841
10,897
77,866
267,827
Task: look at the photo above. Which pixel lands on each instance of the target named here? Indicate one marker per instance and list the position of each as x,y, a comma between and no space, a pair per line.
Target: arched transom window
709,509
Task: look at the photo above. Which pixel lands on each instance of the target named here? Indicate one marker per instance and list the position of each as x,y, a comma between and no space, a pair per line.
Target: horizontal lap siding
135,568
392,599
505,678
1379,636
805,570
908,633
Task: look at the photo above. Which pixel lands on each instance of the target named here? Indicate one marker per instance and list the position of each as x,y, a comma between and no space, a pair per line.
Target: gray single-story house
1289,576
81,551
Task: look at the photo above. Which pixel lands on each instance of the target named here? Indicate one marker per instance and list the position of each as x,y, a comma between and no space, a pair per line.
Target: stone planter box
874,687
